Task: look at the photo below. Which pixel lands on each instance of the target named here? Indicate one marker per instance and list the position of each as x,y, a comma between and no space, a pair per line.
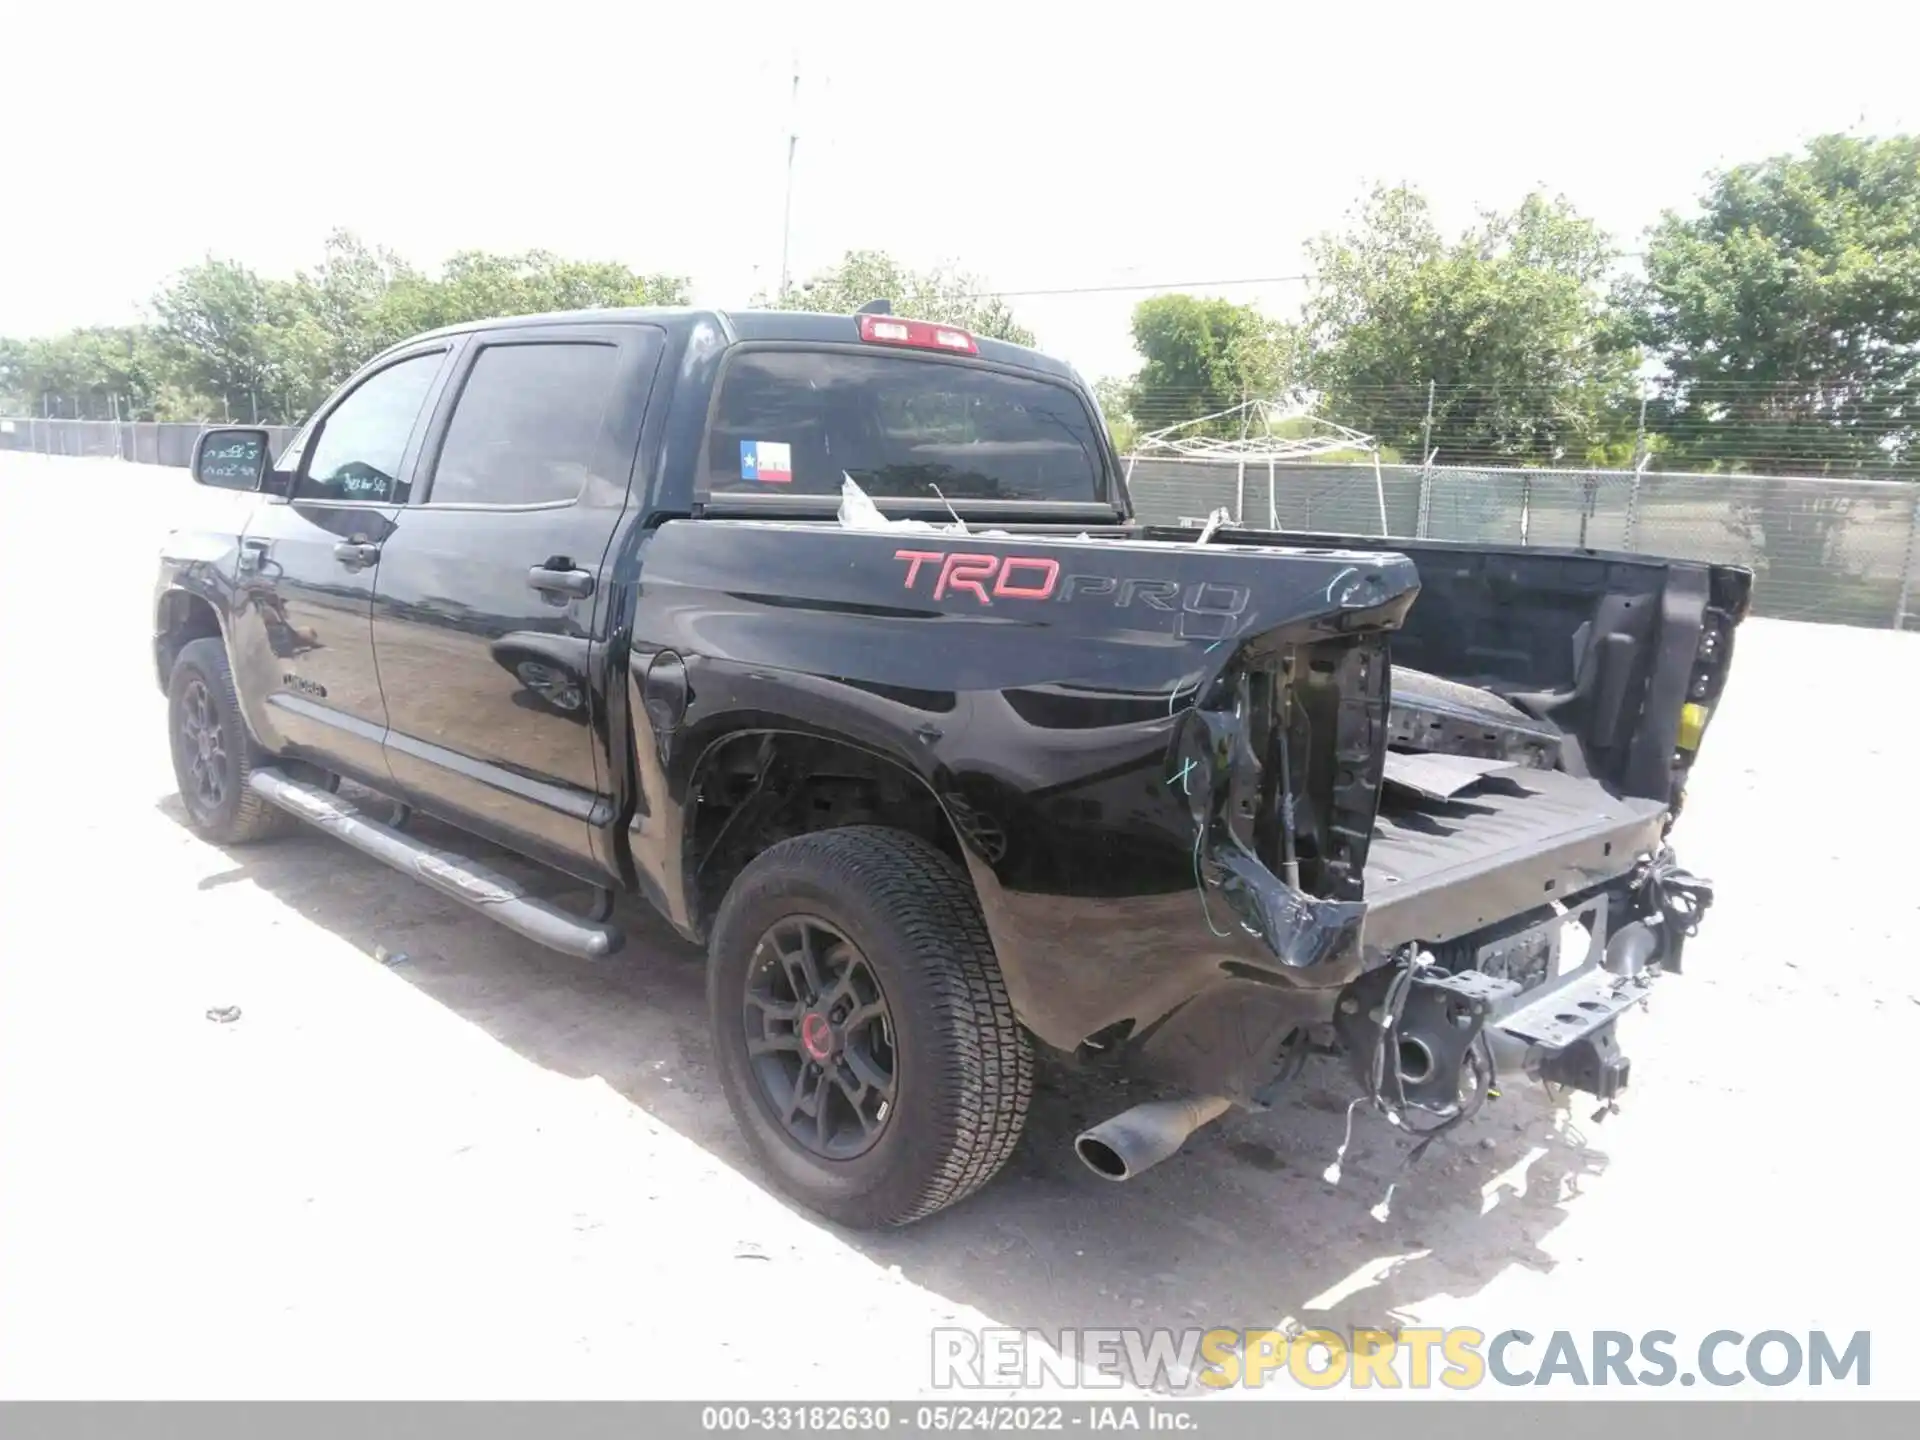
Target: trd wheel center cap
816,1035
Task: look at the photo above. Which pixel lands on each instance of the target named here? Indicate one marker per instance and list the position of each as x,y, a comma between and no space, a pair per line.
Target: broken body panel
1212,797
1118,731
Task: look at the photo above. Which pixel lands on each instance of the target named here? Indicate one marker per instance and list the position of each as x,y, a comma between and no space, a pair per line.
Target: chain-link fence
1842,551
164,443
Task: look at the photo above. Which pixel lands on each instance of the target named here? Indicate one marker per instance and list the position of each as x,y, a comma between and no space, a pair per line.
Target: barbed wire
1654,389
1419,388
1803,436
1131,287
1758,424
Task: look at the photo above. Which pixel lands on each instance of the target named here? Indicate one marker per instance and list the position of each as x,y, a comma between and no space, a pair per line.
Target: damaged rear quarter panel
1049,693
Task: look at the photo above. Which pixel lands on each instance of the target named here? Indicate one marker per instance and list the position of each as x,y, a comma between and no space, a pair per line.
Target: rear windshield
793,422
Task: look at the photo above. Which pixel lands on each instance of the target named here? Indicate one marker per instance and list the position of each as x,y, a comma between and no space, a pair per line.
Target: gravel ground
487,1171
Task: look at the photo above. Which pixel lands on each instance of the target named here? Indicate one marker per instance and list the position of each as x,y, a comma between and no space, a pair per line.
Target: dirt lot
487,1171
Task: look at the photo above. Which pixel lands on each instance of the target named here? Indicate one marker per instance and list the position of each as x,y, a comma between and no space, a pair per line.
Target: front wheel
213,754
862,1029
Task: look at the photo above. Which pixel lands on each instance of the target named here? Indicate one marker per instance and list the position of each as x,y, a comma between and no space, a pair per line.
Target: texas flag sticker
766,460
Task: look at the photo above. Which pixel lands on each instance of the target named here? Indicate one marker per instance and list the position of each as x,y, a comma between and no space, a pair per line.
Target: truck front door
490,612
302,643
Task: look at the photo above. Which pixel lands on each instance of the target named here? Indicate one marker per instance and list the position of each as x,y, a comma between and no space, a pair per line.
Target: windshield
795,421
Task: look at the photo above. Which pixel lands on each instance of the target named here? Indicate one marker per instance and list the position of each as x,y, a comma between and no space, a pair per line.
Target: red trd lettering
965,572
915,556
1018,577
1048,570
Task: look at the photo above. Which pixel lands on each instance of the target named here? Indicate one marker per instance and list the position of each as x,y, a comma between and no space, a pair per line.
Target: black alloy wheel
820,1036
862,1031
214,754
200,747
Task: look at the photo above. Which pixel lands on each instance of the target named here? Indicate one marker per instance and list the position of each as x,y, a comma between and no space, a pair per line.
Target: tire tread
253,818
987,1075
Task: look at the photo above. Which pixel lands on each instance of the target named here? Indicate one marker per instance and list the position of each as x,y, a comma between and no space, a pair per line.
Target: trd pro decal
1208,609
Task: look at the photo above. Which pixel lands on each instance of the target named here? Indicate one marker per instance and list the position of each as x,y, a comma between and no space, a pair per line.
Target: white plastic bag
858,512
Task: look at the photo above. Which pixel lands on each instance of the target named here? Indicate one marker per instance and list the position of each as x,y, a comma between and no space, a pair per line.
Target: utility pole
793,143
1640,431
1426,430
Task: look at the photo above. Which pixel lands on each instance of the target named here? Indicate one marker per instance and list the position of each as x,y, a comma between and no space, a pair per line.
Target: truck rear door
489,614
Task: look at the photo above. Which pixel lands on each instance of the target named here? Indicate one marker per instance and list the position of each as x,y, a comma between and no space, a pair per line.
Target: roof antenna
876,307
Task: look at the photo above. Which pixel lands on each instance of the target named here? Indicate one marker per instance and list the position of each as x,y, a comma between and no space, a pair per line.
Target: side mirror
232,459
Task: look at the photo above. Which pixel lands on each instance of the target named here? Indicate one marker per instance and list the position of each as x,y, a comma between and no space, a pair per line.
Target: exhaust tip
1136,1140
1101,1158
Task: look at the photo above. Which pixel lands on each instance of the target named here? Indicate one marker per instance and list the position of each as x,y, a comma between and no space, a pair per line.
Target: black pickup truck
978,768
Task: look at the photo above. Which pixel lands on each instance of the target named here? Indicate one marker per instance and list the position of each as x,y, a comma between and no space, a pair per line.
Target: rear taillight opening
916,335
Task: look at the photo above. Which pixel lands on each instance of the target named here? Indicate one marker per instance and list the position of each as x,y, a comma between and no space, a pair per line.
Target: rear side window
526,425
797,421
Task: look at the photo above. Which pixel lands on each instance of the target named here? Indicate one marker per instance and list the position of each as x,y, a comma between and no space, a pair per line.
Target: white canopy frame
1257,444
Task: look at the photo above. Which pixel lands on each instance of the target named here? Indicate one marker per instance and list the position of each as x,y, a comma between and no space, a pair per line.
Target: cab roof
803,326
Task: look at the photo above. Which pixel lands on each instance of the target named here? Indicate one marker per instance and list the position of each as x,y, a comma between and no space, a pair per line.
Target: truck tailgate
1510,843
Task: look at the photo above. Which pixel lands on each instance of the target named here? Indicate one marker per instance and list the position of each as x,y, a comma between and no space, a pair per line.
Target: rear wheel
862,1029
213,754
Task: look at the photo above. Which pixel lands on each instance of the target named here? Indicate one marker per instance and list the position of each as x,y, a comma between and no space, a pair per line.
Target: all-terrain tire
963,1066
228,813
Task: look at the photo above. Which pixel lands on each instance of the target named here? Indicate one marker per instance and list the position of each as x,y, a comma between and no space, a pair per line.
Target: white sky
1039,145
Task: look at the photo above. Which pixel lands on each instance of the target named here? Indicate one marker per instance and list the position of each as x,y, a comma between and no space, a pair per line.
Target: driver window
357,453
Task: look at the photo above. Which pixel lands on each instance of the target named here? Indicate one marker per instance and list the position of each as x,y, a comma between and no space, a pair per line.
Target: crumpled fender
1302,931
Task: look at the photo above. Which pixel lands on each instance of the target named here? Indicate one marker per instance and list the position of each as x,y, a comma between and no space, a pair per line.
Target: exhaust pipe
1140,1138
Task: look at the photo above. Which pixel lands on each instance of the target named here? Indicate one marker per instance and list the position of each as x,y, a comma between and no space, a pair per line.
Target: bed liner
1510,843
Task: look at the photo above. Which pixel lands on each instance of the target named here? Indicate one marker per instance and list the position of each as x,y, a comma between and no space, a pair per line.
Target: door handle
356,554
556,579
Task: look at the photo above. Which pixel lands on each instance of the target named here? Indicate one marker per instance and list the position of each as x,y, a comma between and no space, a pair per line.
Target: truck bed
1504,845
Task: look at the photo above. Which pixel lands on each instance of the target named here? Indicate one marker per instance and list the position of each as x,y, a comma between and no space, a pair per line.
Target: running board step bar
494,895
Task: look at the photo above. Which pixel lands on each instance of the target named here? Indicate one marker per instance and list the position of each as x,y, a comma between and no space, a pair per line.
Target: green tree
947,296
478,285
98,373
1511,323
227,342
346,298
1787,313
15,369
243,340
371,299
1202,357
1115,397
